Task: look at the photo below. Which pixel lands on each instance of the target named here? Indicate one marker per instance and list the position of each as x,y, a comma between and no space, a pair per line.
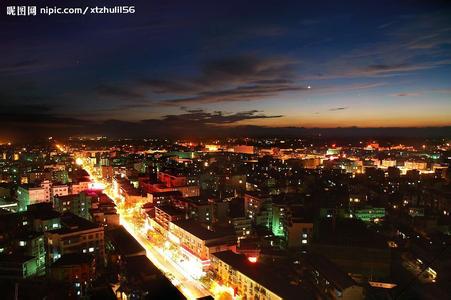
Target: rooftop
124,243
73,223
74,259
15,258
167,194
200,231
42,211
170,210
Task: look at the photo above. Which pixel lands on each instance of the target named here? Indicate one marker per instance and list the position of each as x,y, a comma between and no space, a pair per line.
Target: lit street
190,287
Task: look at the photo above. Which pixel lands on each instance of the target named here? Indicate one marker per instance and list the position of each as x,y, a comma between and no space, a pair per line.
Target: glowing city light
252,259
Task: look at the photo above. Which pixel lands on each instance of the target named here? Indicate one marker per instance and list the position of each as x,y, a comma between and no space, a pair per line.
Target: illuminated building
289,223
171,180
32,244
47,186
36,176
311,163
104,211
22,233
351,166
372,146
388,163
197,243
416,211
212,148
333,151
258,208
60,190
79,205
107,172
199,209
164,198
415,165
245,149
298,232
166,214
242,225
251,280
168,182
370,214
204,210
129,193
78,235
223,183
60,176
79,186
43,218
27,195
278,215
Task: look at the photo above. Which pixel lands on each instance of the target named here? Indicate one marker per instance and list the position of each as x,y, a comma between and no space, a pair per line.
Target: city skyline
228,150
182,69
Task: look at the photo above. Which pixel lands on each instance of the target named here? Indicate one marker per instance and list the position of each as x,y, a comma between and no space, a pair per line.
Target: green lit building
278,214
369,214
32,244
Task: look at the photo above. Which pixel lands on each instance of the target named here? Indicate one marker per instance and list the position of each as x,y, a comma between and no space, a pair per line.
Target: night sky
189,68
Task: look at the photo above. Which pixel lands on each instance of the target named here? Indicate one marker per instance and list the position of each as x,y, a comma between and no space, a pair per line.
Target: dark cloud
338,108
18,109
333,89
26,123
240,93
30,116
230,79
31,121
215,118
241,78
